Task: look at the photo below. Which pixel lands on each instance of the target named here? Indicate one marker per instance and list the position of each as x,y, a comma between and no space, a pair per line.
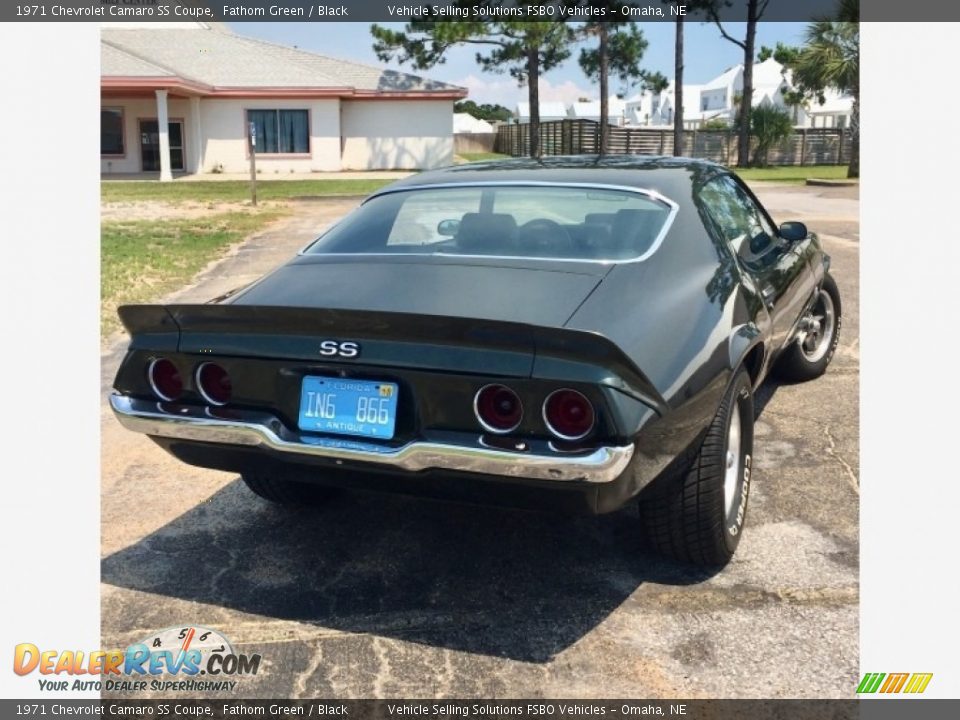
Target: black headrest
486,231
598,219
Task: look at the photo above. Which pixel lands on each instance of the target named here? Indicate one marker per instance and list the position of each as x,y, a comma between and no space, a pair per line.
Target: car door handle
768,292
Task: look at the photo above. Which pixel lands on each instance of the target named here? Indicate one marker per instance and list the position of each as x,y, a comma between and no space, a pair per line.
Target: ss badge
335,348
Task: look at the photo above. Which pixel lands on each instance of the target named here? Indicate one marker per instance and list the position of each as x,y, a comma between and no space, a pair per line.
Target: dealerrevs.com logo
894,683
191,658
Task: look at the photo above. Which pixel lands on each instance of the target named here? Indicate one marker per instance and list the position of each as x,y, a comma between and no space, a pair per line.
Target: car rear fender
747,350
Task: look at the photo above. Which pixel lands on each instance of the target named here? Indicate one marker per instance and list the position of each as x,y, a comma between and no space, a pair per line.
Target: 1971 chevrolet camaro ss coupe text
570,332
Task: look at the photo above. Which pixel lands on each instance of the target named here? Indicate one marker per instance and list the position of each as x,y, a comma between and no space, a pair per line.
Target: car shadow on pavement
483,580
764,394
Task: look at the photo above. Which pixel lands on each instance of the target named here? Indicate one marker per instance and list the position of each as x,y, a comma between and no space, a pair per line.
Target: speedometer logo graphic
181,640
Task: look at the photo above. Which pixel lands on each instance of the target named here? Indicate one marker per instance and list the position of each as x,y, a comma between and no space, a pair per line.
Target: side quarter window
743,225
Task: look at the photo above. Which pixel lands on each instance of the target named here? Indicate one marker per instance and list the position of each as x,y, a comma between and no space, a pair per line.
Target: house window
111,131
281,131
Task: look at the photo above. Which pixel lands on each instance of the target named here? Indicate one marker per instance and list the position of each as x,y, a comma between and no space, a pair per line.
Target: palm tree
831,59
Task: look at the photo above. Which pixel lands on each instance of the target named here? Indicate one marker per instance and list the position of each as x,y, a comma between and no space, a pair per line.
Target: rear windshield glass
570,223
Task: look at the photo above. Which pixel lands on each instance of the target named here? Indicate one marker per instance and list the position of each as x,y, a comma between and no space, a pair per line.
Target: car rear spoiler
453,344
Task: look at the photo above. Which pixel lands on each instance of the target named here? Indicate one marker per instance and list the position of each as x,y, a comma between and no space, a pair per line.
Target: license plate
348,407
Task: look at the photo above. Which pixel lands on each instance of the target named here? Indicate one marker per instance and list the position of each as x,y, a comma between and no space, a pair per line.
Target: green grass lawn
142,260
475,157
233,190
794,173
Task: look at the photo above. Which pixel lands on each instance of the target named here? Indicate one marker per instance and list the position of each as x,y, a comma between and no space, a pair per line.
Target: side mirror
448,228
793,231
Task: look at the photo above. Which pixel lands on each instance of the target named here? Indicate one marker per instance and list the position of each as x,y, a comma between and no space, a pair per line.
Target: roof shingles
117,63
222,60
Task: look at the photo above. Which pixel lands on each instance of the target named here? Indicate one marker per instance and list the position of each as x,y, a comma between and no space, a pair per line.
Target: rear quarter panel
675,315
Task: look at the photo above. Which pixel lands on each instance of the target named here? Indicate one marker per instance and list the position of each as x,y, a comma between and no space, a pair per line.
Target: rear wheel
819,332
699,519
272,486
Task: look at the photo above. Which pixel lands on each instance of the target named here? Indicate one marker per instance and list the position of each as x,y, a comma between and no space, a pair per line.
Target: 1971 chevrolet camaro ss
568,332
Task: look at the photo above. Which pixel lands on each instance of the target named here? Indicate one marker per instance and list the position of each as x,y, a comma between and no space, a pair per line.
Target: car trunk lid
544,295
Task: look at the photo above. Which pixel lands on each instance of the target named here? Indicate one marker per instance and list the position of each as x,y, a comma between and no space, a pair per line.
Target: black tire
797,364
689,520
275,488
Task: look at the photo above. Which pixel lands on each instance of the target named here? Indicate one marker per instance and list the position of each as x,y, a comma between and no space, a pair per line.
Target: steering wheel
545,237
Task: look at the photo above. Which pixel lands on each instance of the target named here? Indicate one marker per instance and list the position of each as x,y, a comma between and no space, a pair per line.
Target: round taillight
213,383
165,379
498,408
568,414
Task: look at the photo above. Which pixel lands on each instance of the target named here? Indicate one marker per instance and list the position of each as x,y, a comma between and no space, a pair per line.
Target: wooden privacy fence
474,142
806,146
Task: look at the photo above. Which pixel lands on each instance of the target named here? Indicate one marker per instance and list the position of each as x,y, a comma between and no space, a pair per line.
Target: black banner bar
402,10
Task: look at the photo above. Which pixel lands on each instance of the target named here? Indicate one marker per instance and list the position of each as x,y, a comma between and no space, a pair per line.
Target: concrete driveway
395,597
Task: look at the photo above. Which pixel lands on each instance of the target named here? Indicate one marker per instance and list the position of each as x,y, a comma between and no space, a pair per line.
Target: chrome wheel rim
817,328
731,476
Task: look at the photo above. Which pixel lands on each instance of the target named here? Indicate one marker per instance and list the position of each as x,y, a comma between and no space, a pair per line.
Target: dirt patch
159,210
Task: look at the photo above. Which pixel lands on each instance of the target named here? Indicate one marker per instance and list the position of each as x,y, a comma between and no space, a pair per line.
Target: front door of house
150,145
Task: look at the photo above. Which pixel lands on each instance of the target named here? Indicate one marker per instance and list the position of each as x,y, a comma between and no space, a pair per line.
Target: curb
831,183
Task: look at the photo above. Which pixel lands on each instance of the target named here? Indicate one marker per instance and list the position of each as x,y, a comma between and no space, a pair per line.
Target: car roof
671,176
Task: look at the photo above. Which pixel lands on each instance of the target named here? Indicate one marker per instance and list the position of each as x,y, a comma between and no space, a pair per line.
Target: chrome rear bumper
255,429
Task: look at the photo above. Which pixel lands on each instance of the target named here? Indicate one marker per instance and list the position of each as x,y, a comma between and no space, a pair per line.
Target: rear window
567,223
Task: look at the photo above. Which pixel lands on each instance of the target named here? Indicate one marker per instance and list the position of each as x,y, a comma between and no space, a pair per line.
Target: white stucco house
182,98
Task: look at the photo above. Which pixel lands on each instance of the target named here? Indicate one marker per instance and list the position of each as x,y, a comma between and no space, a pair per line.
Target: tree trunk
853,171
678,90
604,58
746,99
533,96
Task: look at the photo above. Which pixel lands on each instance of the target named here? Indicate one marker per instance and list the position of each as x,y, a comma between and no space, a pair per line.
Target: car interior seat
487,233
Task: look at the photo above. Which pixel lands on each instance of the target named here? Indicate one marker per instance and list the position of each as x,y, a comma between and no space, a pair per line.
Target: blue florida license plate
348,407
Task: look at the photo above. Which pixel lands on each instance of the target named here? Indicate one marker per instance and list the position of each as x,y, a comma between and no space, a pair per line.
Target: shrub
769,125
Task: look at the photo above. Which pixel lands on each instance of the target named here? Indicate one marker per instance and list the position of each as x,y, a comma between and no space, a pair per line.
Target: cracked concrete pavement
395,597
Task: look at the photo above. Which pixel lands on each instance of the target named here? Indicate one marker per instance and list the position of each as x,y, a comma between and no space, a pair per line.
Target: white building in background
833,113
467,123
549,110
590,110
181,97
715,100
649,109
719,97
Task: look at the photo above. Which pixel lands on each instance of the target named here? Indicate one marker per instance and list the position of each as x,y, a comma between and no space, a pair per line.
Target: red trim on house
172,83
182,86
269,93
409,95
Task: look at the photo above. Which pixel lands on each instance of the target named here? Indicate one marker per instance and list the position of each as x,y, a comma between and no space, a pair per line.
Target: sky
707,55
